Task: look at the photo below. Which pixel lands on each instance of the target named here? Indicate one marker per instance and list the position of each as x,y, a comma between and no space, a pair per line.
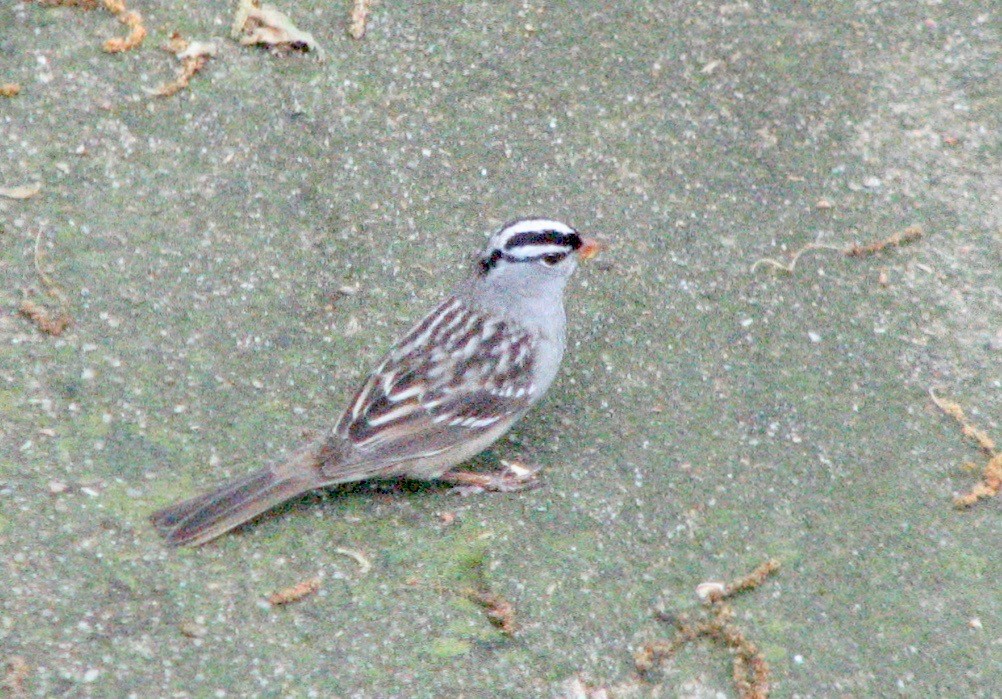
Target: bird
451,386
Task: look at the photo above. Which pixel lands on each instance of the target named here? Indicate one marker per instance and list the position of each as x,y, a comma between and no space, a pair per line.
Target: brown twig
132,20
791,265
752,580
294,593
45,320
981,438
193,57
499,611
908,235
137,32
991,475
750,670
82,4
989,487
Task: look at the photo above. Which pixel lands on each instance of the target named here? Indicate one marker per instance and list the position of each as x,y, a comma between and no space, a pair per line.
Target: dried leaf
24,191
257,23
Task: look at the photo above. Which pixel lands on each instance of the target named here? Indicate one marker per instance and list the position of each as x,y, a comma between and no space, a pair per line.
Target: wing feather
454,376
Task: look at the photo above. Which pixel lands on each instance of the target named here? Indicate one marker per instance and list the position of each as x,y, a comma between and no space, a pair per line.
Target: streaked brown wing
453,378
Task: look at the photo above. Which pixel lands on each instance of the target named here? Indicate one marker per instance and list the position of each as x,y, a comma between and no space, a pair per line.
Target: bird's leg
513,477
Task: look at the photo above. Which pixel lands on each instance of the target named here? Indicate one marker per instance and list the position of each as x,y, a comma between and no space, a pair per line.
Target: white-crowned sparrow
447,390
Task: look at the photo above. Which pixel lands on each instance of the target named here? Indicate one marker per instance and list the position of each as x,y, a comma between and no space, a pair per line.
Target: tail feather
202,518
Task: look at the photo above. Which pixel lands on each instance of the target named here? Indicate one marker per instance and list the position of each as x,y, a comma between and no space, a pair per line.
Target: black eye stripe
570,240
490,262
549,246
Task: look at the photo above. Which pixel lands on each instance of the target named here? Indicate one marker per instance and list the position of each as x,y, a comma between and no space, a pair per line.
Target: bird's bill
589,248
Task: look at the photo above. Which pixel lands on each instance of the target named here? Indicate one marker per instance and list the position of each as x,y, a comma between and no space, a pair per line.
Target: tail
203,518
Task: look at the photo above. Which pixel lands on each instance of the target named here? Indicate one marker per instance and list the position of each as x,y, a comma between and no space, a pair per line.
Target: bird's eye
550,259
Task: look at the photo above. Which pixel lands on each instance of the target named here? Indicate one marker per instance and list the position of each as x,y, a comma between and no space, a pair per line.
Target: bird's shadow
484,462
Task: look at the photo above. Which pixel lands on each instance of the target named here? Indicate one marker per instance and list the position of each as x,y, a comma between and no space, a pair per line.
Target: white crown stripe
531,250
533,225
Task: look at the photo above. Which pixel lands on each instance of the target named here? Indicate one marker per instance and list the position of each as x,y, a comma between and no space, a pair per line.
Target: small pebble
995,343
192,629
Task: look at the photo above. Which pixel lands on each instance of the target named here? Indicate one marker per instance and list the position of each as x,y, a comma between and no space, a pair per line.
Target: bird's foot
515,476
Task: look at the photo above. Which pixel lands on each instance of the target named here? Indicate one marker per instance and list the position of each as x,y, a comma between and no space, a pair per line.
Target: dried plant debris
193,629
132,20
499,611
981,438
295,593
908,235
748,582
21,191
83,4
792,264
750,671
991,474
364,564
359,18
256,23
193,56
16,673
10,90
989,487
48,321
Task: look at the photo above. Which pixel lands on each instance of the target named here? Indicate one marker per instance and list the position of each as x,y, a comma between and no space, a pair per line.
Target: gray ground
708,417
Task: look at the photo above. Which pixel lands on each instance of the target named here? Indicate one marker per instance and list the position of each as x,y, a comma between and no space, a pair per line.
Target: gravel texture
235,257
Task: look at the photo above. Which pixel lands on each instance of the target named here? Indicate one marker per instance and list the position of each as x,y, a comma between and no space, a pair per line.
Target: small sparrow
448,389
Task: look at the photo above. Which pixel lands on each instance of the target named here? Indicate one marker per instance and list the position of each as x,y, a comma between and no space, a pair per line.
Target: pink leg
514,477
